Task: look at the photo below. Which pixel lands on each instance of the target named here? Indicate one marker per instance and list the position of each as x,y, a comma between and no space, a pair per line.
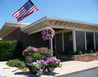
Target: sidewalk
67,68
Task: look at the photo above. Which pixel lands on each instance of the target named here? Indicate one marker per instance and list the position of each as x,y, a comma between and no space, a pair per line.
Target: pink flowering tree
48,33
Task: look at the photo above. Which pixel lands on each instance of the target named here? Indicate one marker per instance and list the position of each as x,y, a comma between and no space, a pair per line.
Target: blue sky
81,10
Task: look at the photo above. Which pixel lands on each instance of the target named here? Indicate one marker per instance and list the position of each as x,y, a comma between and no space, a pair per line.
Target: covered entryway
67,34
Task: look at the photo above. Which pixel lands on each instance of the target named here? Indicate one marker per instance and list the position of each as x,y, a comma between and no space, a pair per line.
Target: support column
63,41
74,40
85,41
51,44
94,40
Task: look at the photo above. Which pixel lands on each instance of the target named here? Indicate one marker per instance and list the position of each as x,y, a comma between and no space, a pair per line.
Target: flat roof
45,22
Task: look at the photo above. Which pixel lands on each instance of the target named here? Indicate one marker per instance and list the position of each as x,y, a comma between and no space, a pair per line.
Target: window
89,40
68,41
96,40
80,40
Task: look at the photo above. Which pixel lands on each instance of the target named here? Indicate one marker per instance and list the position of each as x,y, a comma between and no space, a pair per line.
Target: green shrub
91,51
10,50
16,63
78,52
69,53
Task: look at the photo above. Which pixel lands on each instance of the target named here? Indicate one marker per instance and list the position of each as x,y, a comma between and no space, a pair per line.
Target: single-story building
70,35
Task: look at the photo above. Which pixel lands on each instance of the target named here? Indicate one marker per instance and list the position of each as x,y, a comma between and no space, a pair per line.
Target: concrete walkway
68,67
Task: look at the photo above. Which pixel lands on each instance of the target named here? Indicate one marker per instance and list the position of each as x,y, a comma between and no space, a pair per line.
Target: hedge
10,50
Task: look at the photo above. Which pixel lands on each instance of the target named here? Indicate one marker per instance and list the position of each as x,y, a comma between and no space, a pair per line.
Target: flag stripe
22,9
21,13
17,11
32,10
18,14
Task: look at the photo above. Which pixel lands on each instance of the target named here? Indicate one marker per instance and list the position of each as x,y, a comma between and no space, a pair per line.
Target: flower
44,62
50,59
45,51
29,50
38,65
35,66
34,49
48,33
52,62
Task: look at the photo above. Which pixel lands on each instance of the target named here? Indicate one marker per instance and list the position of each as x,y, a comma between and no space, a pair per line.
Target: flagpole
41,13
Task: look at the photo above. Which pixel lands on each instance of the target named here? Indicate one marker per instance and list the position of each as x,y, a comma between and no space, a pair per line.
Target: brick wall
27,40
83,57
86,57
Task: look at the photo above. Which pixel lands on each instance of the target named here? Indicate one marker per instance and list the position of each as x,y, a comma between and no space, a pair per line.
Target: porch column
85,41
51,44
63,41
94,40
74,40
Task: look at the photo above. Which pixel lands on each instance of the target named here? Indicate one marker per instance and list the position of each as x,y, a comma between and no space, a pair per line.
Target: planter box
83,57
86,57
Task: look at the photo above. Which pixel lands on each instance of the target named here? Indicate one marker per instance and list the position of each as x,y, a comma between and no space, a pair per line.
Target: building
70,35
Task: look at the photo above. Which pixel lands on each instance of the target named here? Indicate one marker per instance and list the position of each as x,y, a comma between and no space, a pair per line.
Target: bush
69,53
10,50
16,63
79,52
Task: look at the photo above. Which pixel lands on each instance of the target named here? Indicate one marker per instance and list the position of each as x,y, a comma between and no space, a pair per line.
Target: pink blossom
48,33
50,59
38,61
28,49
24,51
35,49
45,62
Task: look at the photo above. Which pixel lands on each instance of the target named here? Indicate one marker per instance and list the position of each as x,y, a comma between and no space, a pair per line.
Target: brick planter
84,57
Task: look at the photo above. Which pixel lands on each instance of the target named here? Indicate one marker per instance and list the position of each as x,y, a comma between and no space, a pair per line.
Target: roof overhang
10,27
58,24
45,22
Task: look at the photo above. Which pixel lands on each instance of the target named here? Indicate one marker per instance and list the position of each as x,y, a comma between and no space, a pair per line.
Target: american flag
27,9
